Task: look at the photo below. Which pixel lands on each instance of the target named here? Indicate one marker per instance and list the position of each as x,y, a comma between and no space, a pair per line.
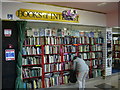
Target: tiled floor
110,83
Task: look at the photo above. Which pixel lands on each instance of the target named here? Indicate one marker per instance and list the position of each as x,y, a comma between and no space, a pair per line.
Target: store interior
44,49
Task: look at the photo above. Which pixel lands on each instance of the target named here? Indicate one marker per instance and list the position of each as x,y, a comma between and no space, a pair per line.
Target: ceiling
90,6
105,6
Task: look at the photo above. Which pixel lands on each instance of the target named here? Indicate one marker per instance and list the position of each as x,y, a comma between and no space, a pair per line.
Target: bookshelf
116,52
47,58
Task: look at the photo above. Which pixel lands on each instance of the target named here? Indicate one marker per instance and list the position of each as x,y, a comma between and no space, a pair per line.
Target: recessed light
102,4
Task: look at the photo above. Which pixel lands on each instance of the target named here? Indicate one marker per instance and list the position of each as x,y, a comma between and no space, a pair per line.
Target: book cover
87,34
41,32
59,32
76,33
54,32
96,34
92,34
48,32
68,32
35,32
81,34
29,33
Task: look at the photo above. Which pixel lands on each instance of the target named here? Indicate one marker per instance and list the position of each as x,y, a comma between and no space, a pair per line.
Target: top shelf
62,44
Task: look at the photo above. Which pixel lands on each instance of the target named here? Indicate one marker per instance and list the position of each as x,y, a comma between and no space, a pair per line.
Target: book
87,34
95,34
55,79
41,32
29,33
35,32
52,58
55,49
68,56
31,72
31,50
52,67
31,60
59,32
92,34
54,32
48,32
85,55
69,48
81,34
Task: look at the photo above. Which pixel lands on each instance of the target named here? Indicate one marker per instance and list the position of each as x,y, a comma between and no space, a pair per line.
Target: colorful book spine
54,49
66,65
52,67
66,77
34,84
31,72
31,50
55,79
85,55
52,58
31,60
69,48
84,48
96,47
68,56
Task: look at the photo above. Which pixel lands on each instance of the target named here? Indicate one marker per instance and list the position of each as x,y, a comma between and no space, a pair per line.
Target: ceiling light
102,4
116,27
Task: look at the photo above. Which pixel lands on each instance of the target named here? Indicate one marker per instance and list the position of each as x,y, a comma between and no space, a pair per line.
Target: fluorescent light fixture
116,27
102,4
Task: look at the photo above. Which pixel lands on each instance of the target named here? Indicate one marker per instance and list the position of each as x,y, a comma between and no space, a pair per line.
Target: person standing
82,68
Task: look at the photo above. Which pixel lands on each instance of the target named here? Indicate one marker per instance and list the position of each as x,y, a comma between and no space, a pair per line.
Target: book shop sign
45,15
9,54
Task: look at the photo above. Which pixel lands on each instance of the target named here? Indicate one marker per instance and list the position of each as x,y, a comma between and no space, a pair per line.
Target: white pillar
107,47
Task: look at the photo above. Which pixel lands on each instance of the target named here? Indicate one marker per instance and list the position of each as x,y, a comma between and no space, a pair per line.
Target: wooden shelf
33,55
69,52
31,65
62,54
52,54
32,77
84,52
53,63
52,72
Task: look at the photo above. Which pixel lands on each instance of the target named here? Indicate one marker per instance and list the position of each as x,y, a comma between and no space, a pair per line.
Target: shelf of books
116,52
48,55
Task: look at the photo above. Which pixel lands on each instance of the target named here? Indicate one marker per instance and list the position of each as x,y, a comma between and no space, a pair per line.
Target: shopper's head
75,57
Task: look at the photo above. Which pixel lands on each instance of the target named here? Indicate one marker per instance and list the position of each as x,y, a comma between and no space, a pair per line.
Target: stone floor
109,83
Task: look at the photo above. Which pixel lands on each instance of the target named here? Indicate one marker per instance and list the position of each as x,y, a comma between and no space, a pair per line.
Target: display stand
116,52
107,58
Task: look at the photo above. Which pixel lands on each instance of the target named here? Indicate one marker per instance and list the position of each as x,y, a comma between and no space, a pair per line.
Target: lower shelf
33,77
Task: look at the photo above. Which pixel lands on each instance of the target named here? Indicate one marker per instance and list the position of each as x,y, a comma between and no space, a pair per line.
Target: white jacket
80,65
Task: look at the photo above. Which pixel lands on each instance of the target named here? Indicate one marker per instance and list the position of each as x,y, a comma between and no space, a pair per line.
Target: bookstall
116,49
48,53
48,41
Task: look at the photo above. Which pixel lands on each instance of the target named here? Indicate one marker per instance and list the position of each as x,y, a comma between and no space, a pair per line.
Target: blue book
92,34
41,32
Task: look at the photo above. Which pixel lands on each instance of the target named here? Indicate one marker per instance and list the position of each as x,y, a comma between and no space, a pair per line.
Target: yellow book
34,84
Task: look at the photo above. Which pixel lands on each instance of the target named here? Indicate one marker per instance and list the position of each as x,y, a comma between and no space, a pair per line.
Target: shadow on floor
105,86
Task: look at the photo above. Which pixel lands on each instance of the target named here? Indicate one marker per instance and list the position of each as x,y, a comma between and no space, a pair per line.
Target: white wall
0,9
86,18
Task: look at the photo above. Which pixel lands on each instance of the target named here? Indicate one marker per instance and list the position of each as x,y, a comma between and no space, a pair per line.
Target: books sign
10,54
43,15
